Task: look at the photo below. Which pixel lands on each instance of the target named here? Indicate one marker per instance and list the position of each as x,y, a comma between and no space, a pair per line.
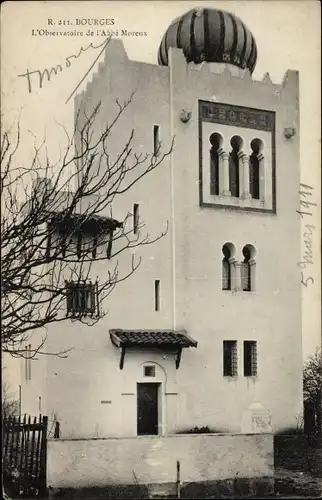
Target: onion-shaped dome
210,35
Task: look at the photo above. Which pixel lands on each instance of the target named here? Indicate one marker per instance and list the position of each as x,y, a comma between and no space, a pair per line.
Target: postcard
161,286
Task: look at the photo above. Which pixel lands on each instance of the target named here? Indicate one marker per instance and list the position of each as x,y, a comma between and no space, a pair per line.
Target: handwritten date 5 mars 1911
306,214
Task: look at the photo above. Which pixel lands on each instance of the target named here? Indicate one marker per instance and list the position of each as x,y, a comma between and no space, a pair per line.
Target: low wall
147,460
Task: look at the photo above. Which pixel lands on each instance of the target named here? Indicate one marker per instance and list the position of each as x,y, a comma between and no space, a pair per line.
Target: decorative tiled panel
237,116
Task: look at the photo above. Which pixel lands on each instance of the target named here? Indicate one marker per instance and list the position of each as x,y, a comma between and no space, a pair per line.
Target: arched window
228,251
216,143
236,144
254,168
248,269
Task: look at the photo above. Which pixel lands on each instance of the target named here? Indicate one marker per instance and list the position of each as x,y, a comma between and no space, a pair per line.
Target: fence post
43,458
19,400
24,454
178,480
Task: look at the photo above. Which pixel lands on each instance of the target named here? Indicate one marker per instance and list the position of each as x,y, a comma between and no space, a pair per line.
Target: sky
287,35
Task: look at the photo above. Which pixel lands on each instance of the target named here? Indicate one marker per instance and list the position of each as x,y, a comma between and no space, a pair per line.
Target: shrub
200,430
312,388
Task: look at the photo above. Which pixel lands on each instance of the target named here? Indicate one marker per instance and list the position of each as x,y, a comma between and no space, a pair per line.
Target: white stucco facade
87,392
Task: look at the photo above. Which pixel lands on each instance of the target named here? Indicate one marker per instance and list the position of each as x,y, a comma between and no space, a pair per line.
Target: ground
298,465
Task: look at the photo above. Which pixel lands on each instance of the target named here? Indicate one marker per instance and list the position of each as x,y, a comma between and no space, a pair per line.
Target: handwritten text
40,75
306,213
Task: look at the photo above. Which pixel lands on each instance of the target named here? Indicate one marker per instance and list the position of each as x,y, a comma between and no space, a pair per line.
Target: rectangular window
157,295
250,358
82,298
28,362
149,371
135,218
156,139
230,358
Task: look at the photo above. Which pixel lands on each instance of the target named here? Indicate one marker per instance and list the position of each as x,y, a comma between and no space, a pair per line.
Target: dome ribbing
210,35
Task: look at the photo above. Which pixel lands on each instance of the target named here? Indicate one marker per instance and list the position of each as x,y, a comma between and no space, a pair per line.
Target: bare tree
50,240
312,387
9,405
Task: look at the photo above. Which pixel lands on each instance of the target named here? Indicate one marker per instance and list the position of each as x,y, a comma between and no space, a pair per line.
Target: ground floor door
147,409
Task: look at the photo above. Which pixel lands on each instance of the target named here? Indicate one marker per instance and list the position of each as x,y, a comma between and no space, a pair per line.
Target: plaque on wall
237,116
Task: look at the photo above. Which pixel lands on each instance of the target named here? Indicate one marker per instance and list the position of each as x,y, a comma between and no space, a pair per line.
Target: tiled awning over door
154,339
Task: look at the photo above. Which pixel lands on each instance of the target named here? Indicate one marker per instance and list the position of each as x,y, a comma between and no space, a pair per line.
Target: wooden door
147,406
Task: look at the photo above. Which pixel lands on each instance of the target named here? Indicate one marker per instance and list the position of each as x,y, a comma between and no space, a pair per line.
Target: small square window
82,298
149,371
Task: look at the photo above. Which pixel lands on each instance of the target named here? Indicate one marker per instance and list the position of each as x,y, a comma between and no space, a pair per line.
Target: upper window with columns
255,162
237,174
234,156
237,157
216,142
